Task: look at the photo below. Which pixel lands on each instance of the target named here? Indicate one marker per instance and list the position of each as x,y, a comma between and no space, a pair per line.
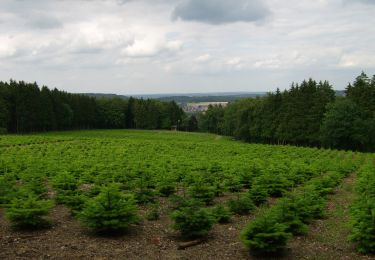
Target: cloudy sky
181,46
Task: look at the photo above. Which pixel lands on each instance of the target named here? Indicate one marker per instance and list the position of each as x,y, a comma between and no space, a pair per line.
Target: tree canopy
24,107
307,114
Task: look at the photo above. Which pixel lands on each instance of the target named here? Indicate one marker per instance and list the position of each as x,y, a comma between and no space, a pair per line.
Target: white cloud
234,61
96,35
149,47
6,47
203,58
356,60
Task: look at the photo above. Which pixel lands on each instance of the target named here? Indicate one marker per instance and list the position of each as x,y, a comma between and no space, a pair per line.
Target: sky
185,46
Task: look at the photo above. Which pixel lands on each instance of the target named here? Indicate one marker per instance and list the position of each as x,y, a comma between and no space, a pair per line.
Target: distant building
201,106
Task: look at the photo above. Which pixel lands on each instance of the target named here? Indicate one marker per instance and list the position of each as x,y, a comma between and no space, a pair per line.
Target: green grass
336,226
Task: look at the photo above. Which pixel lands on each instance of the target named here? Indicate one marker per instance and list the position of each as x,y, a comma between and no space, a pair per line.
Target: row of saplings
291,215
27,200
363,209
109,208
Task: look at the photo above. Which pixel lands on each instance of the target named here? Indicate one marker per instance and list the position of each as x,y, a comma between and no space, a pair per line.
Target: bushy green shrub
67,193
269,232
35,184
287,212
275,184
166,189
176,201
221,214
241,205
326,184
92,191
218,188
363,211
265,235
7,190
201,191
145,195
365,183
246,178
65,181
310,205
233,184
300,172
192,220
258,194
363,222
110,210
28,211
74,200
143,187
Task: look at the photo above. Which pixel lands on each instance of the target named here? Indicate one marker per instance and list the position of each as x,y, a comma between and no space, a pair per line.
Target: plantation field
146,194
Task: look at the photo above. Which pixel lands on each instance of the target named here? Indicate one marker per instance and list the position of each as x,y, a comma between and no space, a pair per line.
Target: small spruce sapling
241,205
166,189
258,194
192,220
203,192
110,210
7,190
265,235
221,214
28,211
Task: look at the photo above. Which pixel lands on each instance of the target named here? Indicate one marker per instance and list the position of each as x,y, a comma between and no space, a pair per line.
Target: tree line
307,114
25,107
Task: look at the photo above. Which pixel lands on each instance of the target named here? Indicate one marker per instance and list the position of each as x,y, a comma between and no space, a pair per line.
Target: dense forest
24,107
308,114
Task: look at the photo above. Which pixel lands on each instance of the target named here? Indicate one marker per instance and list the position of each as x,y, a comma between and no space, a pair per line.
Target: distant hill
102,95
188,97
210,98
194,97
340,93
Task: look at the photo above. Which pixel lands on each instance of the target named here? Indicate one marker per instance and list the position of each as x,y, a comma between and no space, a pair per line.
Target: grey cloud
41,21
359,2
221,11
121,2
86,50
37,14
366,1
